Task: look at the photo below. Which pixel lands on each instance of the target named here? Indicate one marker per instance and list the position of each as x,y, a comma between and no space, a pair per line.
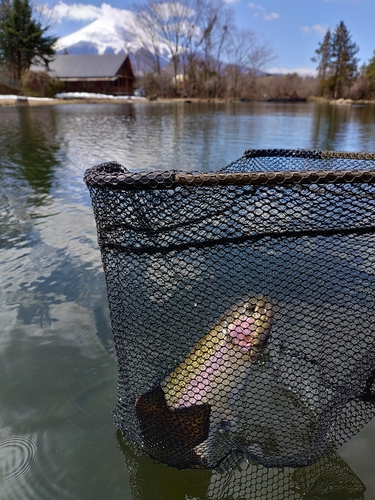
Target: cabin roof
86,65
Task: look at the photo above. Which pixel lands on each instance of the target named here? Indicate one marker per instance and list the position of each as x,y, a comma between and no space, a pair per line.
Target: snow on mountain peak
112,30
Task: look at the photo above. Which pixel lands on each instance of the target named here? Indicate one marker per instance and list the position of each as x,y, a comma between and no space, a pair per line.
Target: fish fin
170,435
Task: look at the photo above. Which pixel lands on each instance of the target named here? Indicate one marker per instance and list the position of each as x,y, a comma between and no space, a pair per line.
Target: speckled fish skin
220,360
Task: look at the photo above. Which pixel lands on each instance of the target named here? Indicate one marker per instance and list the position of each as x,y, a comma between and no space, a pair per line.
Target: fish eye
250,307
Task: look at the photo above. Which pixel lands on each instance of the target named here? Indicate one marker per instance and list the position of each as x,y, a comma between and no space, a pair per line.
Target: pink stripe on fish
242,332
201,385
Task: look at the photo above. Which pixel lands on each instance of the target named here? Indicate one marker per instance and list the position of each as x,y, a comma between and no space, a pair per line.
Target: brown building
105,74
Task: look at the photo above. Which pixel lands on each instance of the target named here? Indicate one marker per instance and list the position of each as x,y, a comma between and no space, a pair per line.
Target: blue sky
292,27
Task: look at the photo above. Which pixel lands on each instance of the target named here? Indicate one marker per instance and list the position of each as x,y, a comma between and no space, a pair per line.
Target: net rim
112,175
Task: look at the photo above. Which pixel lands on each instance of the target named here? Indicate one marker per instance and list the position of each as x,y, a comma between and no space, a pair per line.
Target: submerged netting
242,305
329,479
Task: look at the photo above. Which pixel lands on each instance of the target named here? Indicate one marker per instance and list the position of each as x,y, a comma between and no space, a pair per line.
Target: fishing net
330,478
242,306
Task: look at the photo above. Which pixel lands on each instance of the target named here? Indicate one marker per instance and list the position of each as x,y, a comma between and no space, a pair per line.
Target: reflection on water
330,478
29,147
346,128
34,149
57,363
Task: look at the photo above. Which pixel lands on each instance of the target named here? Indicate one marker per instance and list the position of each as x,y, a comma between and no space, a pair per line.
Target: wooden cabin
105,74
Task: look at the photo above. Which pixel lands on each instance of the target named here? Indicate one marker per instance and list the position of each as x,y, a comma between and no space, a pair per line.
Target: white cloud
320,29
259,10
88,12
271,16
287,71
231,1
78,11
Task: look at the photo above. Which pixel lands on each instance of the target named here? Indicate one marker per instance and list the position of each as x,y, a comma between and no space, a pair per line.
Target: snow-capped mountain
114,31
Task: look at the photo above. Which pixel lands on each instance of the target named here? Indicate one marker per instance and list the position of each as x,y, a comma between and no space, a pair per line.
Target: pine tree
338,66
5,8
344,64
324,54
22,39
369,73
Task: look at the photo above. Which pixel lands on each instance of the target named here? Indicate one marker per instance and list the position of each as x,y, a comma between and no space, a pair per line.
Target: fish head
247,325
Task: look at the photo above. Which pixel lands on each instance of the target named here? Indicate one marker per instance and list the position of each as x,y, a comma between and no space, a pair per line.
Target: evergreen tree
344,63
369,73
338,66
324,54
5,8
22,39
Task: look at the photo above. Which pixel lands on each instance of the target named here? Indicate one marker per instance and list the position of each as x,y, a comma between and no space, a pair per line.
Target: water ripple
17,455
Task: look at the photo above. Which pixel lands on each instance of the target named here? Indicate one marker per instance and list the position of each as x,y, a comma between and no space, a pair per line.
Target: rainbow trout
217,363
178,418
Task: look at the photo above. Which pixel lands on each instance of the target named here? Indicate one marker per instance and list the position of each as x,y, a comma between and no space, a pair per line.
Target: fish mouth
242,331
250,324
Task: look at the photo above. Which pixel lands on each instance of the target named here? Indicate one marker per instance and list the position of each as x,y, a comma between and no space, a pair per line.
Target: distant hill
108,35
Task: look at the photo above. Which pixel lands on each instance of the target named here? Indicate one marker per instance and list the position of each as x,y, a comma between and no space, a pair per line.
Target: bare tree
246,55
190,32
198,35
166,24
152,43
43,14
287,87
214,22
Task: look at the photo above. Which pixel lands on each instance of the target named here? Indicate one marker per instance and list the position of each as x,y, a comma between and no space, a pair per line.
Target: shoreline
14,100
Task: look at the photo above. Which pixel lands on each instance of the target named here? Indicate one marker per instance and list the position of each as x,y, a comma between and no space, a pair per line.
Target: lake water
57,363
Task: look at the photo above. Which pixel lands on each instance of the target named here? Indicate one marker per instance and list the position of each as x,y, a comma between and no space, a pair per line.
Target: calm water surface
57,364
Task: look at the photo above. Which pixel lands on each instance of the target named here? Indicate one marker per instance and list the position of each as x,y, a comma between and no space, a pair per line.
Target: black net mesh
329,479
242,306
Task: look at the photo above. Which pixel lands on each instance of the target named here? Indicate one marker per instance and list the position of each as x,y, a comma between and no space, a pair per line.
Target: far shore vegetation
210,57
